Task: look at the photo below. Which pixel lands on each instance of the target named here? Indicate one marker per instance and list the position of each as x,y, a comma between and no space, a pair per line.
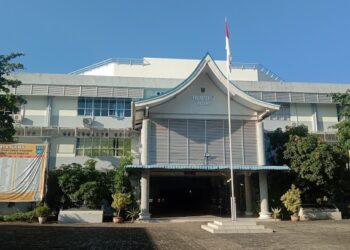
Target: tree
9,103
318,166
121,177
278,140
343,146
281,181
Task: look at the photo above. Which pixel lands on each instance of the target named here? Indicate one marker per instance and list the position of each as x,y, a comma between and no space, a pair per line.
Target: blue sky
299,40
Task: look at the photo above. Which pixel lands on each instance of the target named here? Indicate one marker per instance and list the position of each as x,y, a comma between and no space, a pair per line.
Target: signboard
202,100
22,172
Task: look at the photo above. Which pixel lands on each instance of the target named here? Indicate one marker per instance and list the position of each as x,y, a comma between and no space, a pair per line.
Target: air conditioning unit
87,122
17,118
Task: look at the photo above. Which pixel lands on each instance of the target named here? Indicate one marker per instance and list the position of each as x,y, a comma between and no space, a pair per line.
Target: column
260,143
248,194
145,174
48,111
145,131
264,197
144,206
314,117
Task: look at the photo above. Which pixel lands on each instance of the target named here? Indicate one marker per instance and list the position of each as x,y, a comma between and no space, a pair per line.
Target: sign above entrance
202,100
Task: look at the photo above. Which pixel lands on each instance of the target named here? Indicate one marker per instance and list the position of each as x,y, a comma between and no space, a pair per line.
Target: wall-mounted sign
202,100
22,172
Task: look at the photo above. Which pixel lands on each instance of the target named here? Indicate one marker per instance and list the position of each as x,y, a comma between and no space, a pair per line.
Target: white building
172,115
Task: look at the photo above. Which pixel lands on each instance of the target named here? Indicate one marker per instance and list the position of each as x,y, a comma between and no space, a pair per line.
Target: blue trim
208,167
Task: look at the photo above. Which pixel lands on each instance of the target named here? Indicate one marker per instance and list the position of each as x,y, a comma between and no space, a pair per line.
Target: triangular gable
208,66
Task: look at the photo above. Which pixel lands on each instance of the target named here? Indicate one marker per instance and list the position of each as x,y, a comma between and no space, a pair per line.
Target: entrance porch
202,191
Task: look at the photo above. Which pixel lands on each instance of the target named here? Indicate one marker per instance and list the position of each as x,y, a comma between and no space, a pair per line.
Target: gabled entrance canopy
208,67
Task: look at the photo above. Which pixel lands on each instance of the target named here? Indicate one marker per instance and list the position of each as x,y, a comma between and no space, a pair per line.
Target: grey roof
307,87
86,80
166,83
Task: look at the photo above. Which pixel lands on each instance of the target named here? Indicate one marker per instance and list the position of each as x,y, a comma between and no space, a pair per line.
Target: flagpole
228,59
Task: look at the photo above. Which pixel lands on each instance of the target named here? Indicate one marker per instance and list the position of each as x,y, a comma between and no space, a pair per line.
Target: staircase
237,227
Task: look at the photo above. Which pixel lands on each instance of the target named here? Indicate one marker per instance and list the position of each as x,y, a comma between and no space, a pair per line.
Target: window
283,114
94,147
118,107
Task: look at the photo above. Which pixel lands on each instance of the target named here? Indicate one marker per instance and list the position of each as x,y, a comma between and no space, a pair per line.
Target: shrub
20,216
42,210
81,185
120,201
132,214
276,212
89,195
291,199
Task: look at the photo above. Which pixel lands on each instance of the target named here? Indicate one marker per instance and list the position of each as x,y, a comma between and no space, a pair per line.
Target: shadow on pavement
73,237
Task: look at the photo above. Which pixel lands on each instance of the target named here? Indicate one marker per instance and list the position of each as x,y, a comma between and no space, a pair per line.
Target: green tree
9,103
317,165
121,177
81,185
281,181
278,140
343,147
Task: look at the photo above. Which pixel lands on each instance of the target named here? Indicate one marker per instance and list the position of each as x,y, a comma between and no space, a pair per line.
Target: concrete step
235,226
228,222
218,227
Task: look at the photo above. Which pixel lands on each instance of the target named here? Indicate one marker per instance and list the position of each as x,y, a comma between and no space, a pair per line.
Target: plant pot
117,220
294,217
42,220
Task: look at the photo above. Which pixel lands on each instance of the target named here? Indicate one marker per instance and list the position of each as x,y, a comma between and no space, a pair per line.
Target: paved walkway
188,235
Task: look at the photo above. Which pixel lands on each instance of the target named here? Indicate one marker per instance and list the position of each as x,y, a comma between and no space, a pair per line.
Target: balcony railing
48,132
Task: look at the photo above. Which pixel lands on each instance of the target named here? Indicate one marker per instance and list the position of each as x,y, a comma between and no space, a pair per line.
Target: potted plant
276,213
42,211
120,201
292,201
132,214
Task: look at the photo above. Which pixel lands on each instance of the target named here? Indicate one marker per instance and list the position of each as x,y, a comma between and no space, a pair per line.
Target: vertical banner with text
22,172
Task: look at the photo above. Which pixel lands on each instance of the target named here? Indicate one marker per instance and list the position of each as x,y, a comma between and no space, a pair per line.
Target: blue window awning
207,167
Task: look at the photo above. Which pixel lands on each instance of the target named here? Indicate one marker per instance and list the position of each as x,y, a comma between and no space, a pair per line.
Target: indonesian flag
228,52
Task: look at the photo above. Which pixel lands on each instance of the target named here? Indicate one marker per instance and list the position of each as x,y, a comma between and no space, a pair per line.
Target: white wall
183,104
326,116
35,111
167,68
304,114
301,113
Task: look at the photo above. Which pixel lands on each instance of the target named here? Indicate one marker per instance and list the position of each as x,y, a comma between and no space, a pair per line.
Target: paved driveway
301,235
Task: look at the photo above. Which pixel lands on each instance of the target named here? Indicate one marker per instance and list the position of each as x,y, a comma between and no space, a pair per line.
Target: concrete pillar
264,197
145,175
260,143
145,133
248,194
48,111
316,125
144,206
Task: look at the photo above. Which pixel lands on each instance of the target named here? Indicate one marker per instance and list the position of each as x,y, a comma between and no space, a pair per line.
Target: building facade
171,114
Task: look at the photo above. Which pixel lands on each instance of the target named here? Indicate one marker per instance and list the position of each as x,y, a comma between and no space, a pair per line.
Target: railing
128,61
330,137
257,66
47,132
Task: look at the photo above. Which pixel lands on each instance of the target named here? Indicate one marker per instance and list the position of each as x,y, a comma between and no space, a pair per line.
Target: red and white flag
228,51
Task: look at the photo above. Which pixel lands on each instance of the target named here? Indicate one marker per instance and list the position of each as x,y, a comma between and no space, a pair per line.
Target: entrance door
180,196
